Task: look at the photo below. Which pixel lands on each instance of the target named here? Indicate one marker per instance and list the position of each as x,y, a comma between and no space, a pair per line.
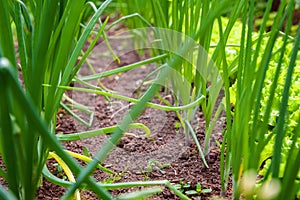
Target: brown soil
167,155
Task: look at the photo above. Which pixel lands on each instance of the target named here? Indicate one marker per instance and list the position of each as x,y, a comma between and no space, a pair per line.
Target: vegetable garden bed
193,99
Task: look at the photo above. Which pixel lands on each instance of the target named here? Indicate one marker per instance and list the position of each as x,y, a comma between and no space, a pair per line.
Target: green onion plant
195,74
264,119
48,40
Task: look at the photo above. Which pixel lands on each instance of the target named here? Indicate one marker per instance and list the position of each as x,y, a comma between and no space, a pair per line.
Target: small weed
114,177
59,171
177,125
86,152
145,173
153,162
186,188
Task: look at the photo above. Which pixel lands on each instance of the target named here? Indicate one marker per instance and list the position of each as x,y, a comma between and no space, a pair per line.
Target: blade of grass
197,142
6,39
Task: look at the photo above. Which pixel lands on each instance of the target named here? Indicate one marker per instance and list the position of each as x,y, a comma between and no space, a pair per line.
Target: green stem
148,104
102,131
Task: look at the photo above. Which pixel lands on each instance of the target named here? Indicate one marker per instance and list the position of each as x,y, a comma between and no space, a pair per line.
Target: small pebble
184,156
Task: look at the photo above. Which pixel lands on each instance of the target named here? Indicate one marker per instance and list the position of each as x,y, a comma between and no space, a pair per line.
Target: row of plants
202,48
261,133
